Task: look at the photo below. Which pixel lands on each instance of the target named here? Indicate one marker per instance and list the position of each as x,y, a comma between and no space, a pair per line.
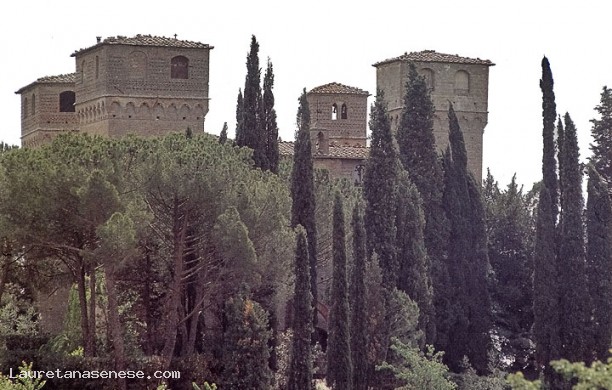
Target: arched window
83,71
179,67
428,75
33,104
25,107
343,113
67,100
97,67
462,82
334,112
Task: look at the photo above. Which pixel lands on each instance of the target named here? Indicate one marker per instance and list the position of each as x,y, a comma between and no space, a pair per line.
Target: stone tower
338,131
47,108
451,78
143,85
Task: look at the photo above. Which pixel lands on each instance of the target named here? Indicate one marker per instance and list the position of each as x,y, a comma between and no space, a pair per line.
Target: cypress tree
602,136
549,115
574,298
270,126
357,296
300,366
545,288
252,112
419,156
599,264
223,135
380,193
468,259
239,137
560,142
303,193
245,344
414,278
340,374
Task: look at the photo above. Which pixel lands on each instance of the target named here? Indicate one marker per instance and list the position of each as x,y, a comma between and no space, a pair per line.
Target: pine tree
414,277
599,263
340,374
239,137
300,367
357,296
602,136
549,115
270,126
574,298
380,193
245,345
303,193
252,112
223,135
468,260
545,288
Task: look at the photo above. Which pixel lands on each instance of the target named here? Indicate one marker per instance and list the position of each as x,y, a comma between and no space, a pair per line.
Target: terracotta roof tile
57,79
433,56
285,149
338,88
146,40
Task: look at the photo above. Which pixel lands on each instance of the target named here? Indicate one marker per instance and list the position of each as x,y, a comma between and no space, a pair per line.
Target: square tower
451,78
47,109
143,85
338,131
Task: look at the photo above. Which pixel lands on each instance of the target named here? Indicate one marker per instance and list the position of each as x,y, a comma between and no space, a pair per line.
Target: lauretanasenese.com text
91,374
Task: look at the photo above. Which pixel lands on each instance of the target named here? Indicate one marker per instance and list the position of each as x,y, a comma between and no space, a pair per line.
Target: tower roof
67,78
433,56
338,88
145,40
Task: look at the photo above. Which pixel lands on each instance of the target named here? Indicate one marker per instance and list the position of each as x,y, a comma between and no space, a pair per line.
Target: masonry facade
451,78
143,85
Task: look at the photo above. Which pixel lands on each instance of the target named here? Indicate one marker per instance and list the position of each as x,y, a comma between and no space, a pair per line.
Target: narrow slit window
334,112
343,113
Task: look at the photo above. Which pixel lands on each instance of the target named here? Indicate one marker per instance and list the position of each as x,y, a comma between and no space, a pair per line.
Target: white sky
315,42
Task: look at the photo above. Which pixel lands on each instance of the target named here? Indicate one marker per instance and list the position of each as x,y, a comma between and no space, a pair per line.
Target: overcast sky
316,42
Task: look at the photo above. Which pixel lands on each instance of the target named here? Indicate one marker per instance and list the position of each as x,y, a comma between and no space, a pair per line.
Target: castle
149,85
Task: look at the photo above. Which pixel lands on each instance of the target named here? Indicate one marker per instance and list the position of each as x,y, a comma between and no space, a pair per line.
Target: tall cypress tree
419,156
468,259
340,374
545,288
303,193
357,296
599,263
574,299
300,367
252,112
549,116
270,126
380,193
602,136
239,137
560,157
414,277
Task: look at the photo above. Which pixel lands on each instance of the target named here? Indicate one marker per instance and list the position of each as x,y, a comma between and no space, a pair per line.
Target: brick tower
451,78
143,85
338,131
